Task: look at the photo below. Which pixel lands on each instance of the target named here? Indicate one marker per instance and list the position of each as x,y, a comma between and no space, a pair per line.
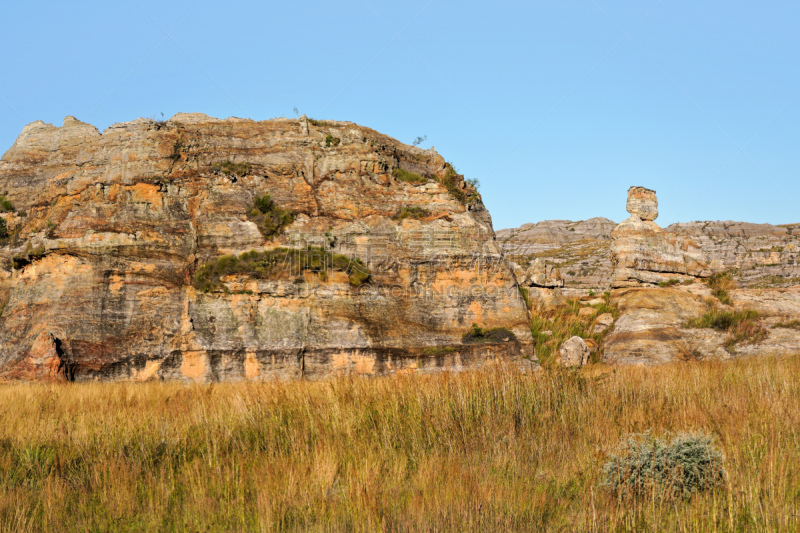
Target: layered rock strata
758,255
368,256
642,253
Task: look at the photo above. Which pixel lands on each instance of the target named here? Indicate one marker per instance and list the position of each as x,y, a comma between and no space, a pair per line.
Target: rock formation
580,250
758,255
641,252
573,352
123,259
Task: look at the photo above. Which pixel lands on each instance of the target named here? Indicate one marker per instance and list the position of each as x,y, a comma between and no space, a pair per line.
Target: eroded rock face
111,228
653,325
759,255
580,250
642,253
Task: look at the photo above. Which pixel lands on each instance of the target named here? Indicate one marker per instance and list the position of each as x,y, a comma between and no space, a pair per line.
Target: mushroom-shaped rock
642,203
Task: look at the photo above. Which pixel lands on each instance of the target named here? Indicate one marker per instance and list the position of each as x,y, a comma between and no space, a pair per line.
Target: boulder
573,352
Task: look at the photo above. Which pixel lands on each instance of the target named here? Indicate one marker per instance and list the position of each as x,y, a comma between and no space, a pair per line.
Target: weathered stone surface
760,255
642,203
641,253
580,250
603,322
538,274
112,227
573,352
651,326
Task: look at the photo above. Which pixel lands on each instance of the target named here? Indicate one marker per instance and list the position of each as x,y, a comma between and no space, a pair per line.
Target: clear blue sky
557,107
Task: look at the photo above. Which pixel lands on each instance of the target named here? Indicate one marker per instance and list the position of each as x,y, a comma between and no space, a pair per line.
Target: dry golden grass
480,451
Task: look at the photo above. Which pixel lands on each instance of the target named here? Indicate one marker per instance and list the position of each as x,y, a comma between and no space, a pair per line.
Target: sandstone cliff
365,255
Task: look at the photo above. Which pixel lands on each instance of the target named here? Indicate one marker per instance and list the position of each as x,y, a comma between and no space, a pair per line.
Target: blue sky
557,107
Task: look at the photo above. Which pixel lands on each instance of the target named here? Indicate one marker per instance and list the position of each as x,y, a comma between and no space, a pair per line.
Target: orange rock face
109,230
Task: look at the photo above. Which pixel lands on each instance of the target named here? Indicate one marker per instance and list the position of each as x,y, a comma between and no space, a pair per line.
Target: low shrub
408,177
411,212
794,324
268,216
669,282
177,149
278,263
330,140
479,335
315,122
5,205
230,168
682,466
3,228
722,320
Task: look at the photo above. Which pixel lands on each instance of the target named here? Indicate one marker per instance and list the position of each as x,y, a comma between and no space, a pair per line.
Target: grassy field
483,451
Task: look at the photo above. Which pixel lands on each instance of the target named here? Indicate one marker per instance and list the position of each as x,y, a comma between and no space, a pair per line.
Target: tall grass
481,451
552,327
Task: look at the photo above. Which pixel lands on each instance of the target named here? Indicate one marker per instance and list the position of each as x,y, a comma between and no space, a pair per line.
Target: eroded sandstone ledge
109,230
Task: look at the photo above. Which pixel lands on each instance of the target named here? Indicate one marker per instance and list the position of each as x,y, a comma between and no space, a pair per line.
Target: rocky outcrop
654,325
758,255
642,253
538,274
368,256
580,250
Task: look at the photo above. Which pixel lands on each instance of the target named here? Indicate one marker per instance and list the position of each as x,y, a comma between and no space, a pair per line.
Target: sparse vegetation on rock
232,169
552,327
408,177
278,263
742,326
478,334
411,212
721,283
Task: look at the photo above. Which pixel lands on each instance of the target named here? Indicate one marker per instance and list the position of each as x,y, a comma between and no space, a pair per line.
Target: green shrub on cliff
3,229
279,263
408,177
5,205
479,335
229,168
268,216
411,212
